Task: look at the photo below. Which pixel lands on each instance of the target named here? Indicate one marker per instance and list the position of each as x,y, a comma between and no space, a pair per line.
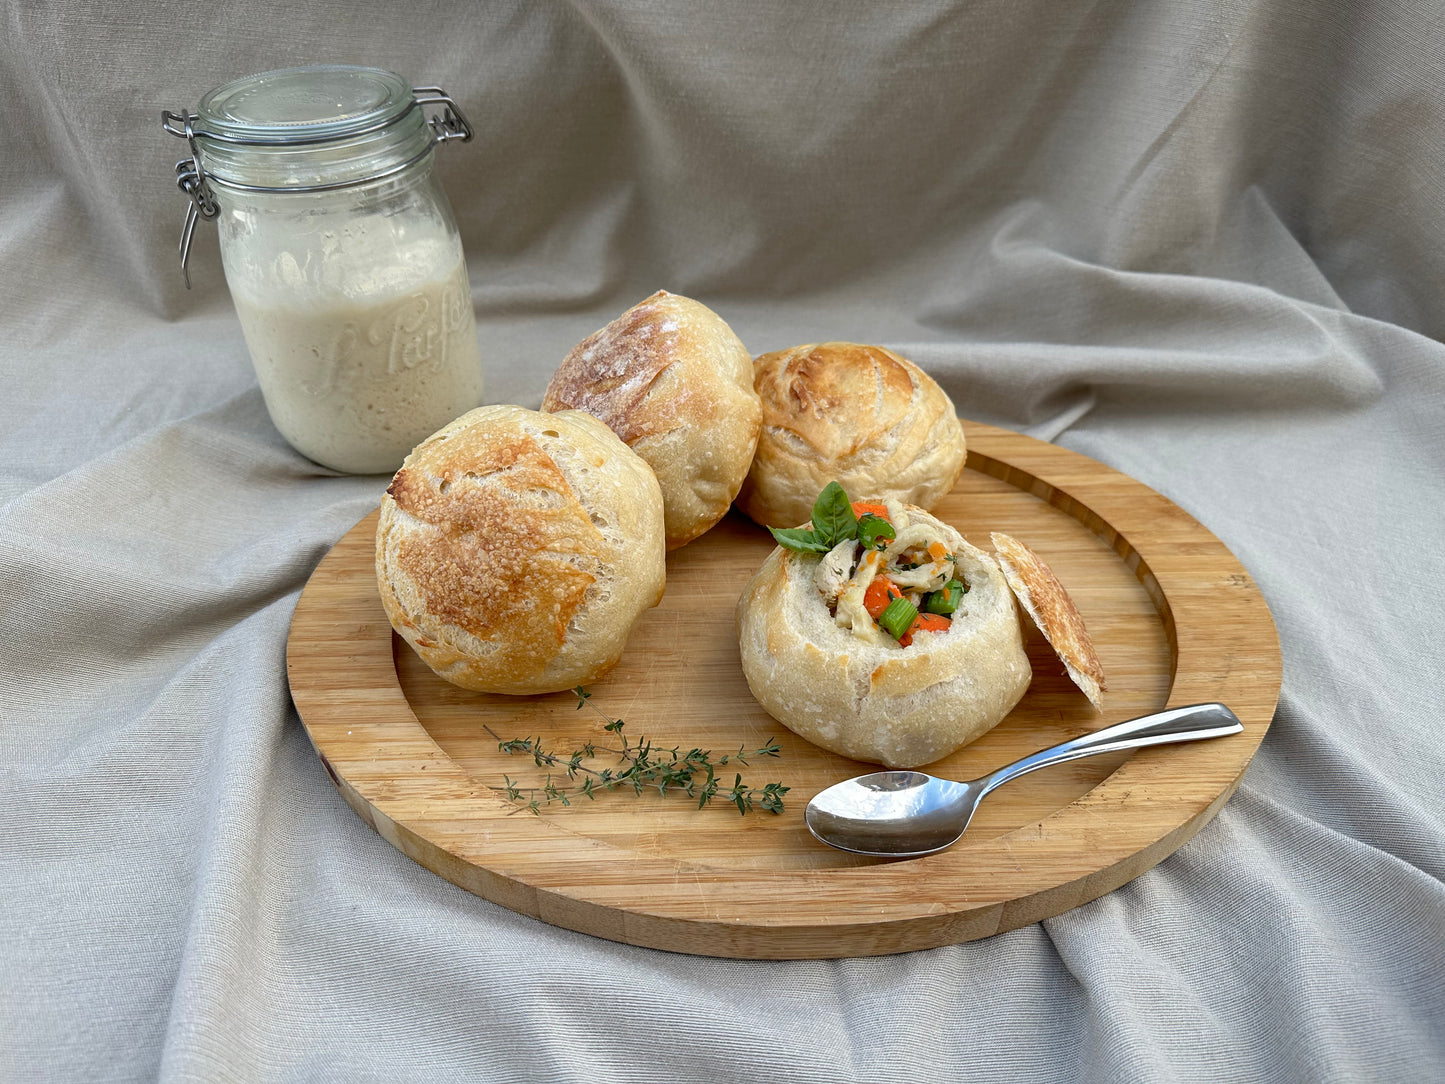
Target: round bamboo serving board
1175,618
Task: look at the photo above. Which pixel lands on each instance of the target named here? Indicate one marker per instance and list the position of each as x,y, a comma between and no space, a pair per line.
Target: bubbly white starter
364,353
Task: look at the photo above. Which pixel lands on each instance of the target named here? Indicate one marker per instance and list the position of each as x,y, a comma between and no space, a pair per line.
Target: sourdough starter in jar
355,374
343,259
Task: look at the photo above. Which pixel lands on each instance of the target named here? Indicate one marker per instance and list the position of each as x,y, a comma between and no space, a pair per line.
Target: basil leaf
875,532
833,518
800,539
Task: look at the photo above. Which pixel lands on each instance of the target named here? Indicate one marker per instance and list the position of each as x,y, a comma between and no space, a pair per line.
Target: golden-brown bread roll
515,550
673,381
866,696
861,415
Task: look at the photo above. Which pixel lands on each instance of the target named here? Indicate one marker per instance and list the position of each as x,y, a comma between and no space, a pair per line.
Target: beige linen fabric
1200,240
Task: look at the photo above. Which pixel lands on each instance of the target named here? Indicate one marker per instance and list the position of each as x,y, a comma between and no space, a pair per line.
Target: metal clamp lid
191,176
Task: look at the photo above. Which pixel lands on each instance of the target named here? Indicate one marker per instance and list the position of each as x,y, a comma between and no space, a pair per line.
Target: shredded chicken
929,576
910,547
835,570
852,614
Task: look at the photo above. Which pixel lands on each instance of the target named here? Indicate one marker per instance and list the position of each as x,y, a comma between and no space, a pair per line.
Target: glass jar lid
306,130
303,105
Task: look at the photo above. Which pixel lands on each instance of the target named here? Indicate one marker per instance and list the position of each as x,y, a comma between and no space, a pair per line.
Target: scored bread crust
673,381
880,703
1053,612
515,550
860,415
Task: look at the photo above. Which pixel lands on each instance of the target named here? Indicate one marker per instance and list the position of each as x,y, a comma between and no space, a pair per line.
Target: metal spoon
905,814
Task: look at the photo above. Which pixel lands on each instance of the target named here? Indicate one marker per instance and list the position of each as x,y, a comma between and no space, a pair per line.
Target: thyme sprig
641,766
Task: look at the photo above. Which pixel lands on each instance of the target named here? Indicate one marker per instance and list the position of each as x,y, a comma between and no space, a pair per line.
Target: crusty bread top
509,531
1053,611
671,379
857,414
837,397
611,373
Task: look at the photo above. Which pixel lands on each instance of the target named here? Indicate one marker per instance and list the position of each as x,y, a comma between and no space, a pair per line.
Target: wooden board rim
1196,584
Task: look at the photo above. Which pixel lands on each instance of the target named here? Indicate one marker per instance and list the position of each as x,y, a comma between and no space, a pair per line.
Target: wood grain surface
1175,618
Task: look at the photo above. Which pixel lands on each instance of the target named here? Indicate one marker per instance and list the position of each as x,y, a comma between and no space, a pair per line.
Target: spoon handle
1175,724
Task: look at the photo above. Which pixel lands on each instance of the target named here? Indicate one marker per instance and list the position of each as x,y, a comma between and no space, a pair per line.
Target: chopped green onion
875,532
945,600
898,617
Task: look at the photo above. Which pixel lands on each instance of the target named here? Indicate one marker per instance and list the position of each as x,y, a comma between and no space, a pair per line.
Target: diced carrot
862,508
937,551
879,593
924,623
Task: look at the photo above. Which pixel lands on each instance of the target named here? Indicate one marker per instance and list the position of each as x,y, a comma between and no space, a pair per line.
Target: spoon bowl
908,814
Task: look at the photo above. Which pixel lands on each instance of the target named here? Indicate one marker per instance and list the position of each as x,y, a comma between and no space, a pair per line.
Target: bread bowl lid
1053,613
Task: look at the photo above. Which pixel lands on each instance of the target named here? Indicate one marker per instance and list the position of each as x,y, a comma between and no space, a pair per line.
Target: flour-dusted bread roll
515,550
674,382
862,415
827,673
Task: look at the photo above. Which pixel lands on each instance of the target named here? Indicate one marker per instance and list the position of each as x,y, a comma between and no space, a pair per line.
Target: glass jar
341,254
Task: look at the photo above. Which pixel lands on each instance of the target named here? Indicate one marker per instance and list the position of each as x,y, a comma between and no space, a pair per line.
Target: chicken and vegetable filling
881,575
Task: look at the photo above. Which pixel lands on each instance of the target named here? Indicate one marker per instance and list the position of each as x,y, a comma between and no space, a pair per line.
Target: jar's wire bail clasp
190,179
452,123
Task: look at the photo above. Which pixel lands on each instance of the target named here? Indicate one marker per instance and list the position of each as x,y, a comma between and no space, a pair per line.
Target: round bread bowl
875,700
515,550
